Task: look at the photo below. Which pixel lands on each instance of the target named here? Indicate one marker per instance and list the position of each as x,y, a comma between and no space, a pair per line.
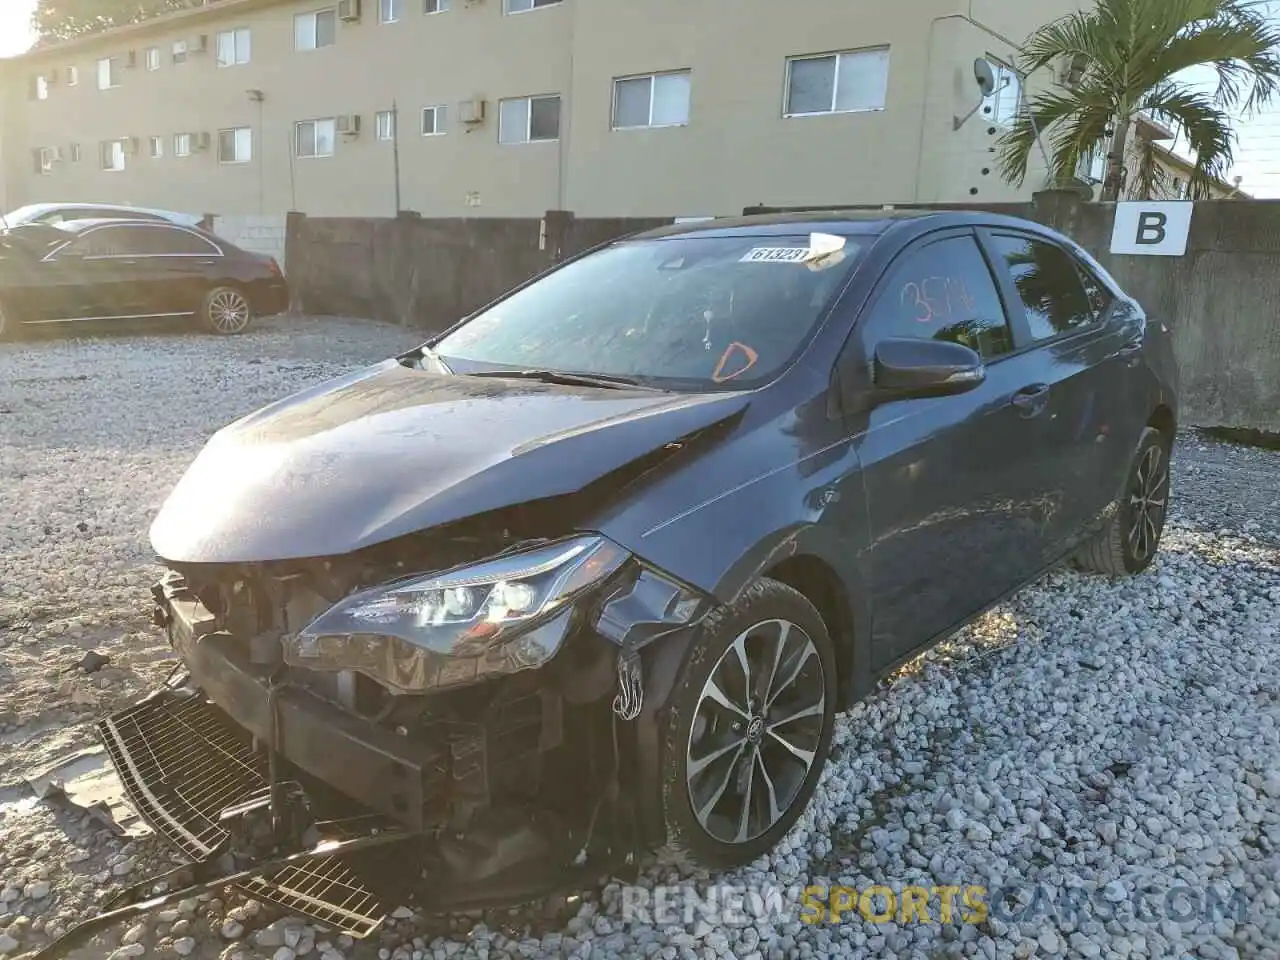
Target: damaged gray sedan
591,573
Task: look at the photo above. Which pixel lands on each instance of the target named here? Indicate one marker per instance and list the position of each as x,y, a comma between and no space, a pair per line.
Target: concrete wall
261,234
429,273
1222,299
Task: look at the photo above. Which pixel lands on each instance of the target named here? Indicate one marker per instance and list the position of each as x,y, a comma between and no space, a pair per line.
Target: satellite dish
985,74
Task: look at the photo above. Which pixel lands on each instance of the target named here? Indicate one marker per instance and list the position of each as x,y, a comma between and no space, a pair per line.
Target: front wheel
1129,542
226,311
749,727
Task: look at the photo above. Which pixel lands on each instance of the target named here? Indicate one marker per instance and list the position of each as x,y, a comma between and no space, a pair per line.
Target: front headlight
498,616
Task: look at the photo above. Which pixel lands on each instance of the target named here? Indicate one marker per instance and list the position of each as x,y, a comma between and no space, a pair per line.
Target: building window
113,155
75,153
389,11
520,6
1092,165
73,76
433,120
40,87
1001,107
233,47
316,137
182,144
435,6
157,148
384,125
44,160
314,30
659,100
108,73
180,51
153,58
837,82
529,119
235,145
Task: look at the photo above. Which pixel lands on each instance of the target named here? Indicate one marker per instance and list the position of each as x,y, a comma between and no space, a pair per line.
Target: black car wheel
1129,542
226,310
749,727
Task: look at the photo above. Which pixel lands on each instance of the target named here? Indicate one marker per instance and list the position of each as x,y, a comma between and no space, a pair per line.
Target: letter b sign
1152,229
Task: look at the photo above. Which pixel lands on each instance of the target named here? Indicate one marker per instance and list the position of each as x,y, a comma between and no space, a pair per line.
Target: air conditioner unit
200,44
348,125
1071,70
51,77
200,141
55,154
130,146
471,112
131,59
349,10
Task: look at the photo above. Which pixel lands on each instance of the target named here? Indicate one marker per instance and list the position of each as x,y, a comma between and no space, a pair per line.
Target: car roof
840,222
38,209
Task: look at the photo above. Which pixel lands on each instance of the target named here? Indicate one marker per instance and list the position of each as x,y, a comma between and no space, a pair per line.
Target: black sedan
593,571
112,269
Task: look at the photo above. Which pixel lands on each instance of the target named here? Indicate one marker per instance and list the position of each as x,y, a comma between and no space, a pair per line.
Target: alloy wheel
1148,501
228,310
756,731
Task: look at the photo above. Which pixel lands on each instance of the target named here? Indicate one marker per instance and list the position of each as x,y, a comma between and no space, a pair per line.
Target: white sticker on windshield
776,255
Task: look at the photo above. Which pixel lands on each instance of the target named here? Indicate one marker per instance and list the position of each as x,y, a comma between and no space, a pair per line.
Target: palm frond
1207,128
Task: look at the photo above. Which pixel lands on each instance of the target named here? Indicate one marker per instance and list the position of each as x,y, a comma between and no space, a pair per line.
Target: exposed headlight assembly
445,630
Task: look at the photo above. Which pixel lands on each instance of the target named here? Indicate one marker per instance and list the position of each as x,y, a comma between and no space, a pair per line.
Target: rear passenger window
944,291
1049,284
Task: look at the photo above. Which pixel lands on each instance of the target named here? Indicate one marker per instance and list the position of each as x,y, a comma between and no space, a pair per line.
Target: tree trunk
1115,159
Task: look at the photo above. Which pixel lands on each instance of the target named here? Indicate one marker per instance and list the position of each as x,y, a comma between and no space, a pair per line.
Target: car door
1088,350
181,266
72,281
136,266
954,485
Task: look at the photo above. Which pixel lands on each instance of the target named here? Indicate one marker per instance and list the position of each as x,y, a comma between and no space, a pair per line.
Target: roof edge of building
219,9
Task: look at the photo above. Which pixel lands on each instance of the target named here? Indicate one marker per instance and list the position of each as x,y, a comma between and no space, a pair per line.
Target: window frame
39,87
113,72
155,147
533,5
442,6
1000,68
653,78
153,59
315,15
73,76
74,153
439,120
1023,338
179,138
391,118
235,34
235,133
179,51
116,145
393,7
45,160
297,131
528,121
164,225
788,114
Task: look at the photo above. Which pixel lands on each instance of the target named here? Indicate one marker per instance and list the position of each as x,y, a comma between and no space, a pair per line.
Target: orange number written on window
936,299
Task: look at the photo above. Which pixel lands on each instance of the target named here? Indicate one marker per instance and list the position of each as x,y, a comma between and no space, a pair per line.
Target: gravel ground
1115,736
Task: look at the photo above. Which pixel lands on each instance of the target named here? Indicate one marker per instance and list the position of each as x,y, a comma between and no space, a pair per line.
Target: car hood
392,450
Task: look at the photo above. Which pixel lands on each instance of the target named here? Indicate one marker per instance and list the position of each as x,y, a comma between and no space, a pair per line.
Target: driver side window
943,290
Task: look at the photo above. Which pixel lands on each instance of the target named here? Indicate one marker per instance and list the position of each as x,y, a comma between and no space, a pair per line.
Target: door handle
1032,400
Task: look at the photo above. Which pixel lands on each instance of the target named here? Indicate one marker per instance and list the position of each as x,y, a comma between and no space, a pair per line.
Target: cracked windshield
594,480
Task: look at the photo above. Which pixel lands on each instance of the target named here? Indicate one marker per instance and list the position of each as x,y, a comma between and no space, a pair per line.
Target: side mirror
908,367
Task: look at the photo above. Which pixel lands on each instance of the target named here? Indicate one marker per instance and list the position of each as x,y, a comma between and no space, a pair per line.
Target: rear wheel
749,728
1129,542
226,310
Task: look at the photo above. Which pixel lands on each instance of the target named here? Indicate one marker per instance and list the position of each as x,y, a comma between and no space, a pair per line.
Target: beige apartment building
515,107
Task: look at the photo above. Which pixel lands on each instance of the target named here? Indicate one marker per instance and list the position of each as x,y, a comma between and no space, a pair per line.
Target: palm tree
1130,56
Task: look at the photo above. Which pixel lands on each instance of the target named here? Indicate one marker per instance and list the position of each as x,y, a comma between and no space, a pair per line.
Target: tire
1129,542
721,837
226,310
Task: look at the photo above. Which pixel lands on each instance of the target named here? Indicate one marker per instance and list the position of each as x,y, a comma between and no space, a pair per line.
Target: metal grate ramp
182,762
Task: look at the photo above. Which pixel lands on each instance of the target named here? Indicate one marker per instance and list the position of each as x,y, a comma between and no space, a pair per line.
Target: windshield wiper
606,380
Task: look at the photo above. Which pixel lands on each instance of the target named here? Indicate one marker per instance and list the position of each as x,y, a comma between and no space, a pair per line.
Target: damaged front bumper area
503,754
